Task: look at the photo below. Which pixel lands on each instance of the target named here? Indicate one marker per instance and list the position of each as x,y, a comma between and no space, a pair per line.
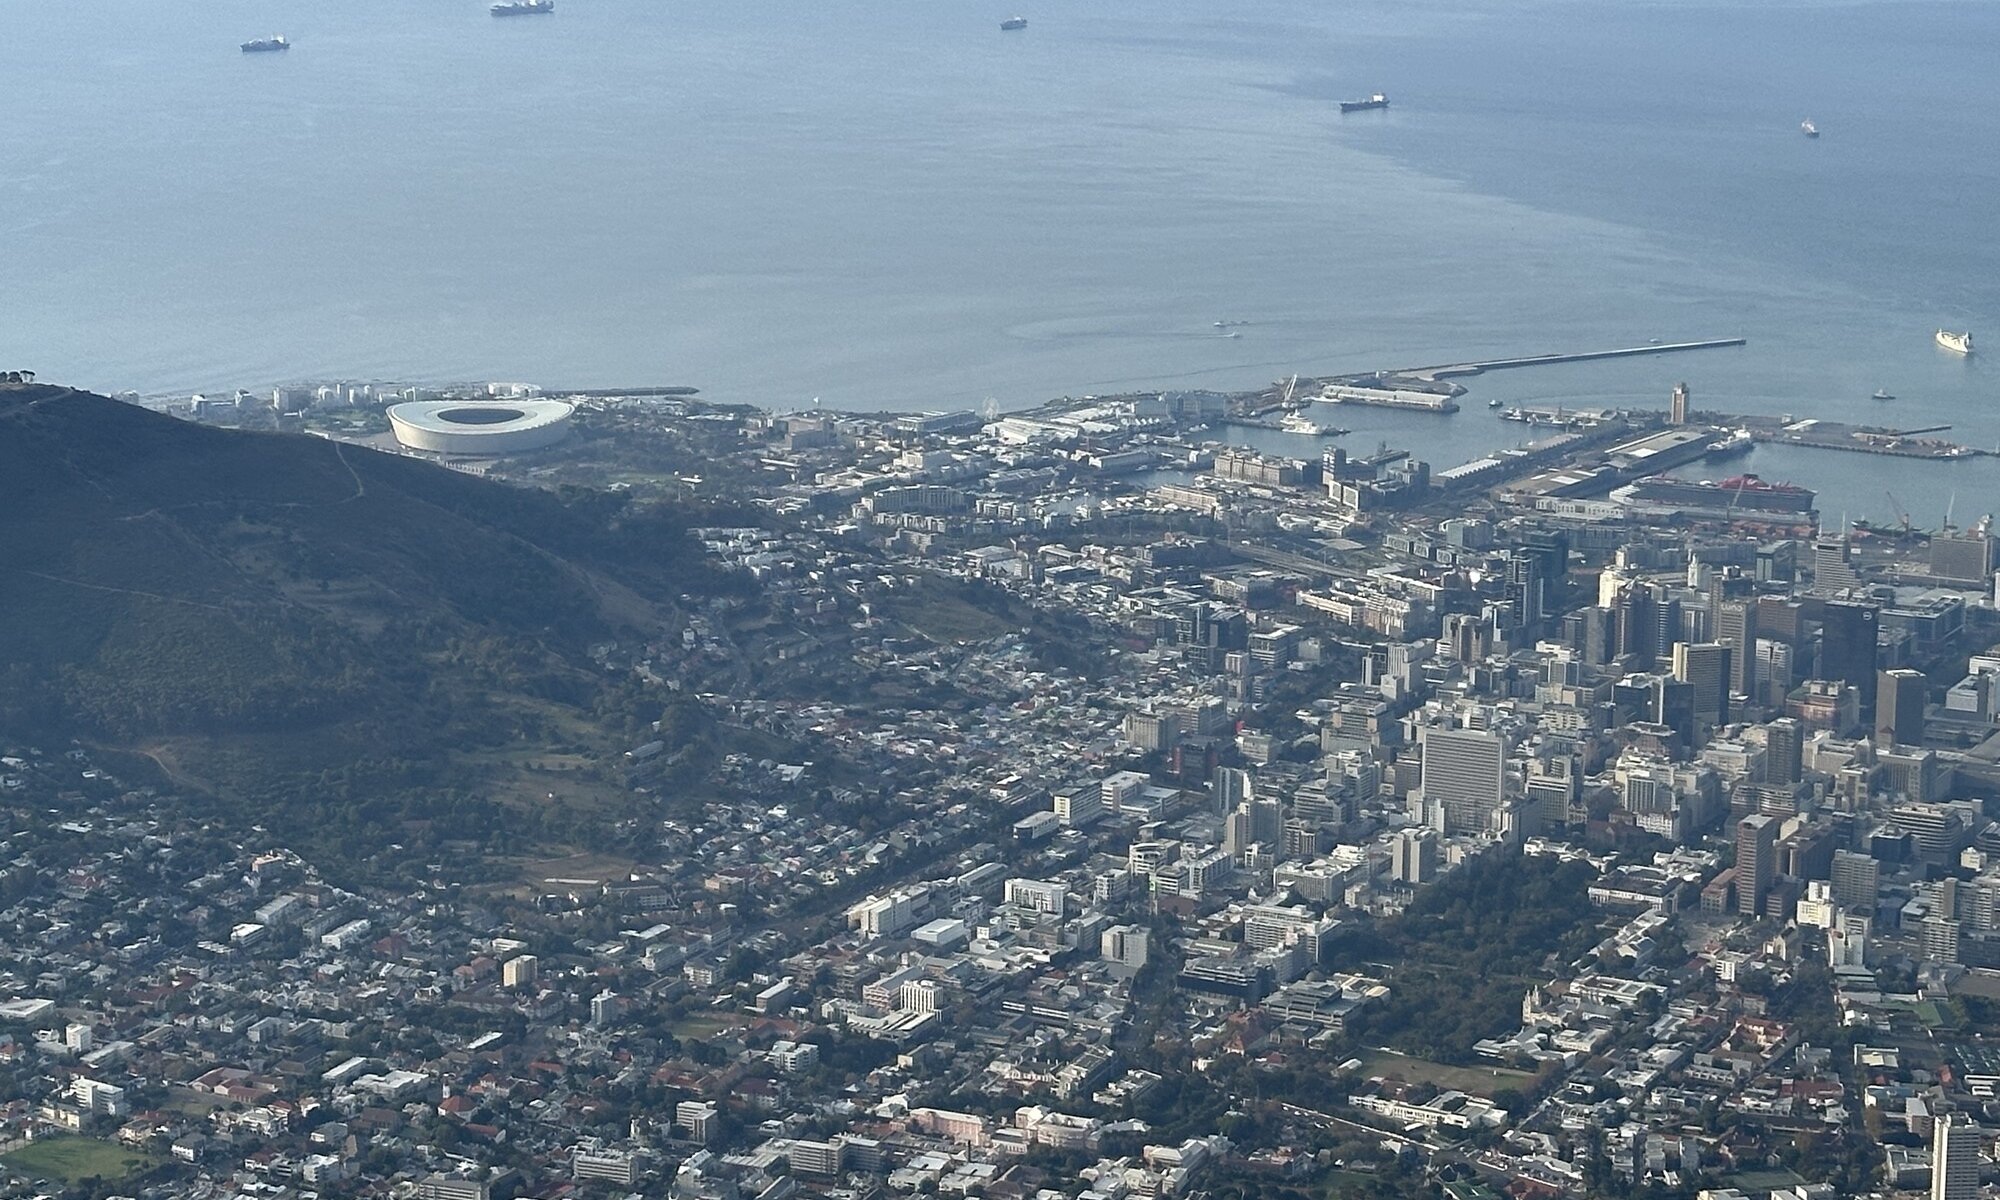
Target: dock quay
1377,397
1860,439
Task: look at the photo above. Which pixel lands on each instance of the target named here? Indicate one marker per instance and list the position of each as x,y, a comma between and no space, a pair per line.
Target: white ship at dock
1315,420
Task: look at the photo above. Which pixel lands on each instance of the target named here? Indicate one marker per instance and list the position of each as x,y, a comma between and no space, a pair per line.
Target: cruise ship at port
1378,100
265,45
1741,497
1957,343
521,8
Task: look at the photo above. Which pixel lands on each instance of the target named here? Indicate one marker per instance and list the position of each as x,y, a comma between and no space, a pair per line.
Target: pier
1430,389
1467,369
627,393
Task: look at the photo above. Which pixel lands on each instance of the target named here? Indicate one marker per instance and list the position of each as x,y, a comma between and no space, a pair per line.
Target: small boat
1495,402
1880,394
263,45
522,8
1378,100
1012,23
1957,343
1809,129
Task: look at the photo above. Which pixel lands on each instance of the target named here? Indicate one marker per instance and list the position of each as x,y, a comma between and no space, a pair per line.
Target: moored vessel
1307,422
1736,441
1741,496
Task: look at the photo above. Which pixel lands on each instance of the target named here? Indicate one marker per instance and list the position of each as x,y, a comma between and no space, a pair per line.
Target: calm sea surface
893,204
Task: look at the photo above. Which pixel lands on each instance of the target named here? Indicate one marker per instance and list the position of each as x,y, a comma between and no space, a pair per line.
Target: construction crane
1736,497
1902,514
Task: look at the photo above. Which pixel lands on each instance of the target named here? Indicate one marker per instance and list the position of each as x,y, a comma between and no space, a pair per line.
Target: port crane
1902,514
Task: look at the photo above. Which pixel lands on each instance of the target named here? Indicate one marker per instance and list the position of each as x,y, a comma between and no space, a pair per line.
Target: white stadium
480,428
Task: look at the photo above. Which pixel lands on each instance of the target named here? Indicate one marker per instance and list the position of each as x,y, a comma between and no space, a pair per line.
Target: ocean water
895,205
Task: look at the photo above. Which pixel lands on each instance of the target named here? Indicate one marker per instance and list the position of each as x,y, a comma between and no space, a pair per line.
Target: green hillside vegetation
309,631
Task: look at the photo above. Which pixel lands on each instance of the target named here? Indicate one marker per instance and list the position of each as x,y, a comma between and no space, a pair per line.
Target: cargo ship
1378,100
521,8
1957,343
1012,23
262,45
1741,497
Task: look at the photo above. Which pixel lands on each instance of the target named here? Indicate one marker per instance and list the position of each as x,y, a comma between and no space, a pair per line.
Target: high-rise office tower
1669,624
1833,565
1592,633
1856,881
1954,1159
1736,628
1705,667
1962,557
1940,938
1678,414
1555,788
1756,862
1900,694
1465,772
1236,836
1784,750
1780,619
1537,577
1413,856
1638,623
1777,562
1774,671
1675,710
1628,618
1847,648
1232,787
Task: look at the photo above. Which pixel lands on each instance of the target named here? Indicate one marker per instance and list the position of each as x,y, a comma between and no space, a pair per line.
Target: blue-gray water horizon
895,205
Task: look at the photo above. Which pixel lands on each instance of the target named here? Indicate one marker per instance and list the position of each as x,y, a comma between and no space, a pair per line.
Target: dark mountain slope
262,608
